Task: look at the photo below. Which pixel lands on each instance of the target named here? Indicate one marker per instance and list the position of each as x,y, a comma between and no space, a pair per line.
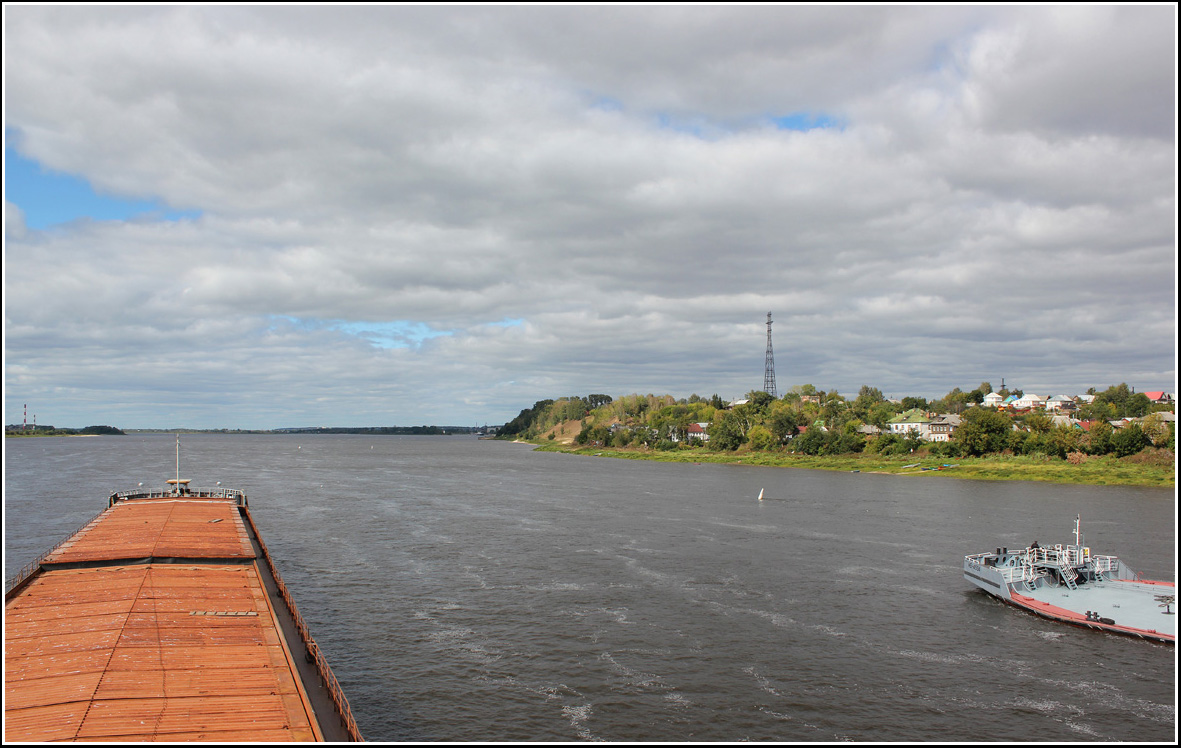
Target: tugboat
1070,584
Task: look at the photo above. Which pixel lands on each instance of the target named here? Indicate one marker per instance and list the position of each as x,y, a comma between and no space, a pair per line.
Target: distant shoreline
1156,469
366,430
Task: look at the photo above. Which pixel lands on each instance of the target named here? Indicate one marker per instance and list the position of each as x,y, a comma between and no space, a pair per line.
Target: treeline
398,430
545,414
814,422
42,430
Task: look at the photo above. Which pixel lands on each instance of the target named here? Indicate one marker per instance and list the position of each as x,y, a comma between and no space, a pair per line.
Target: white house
699,431
912,420
1061,403
993,399
1029,401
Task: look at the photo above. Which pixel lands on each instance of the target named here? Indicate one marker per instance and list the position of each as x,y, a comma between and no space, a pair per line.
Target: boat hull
1133,607
164,619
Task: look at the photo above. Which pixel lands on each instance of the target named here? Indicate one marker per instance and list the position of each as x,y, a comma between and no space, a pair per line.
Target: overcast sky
250,217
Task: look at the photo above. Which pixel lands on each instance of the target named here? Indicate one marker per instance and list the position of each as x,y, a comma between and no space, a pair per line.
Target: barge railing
29,569
335,692
237,495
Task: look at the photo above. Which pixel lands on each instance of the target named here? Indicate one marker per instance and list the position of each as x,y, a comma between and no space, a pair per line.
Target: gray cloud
583,199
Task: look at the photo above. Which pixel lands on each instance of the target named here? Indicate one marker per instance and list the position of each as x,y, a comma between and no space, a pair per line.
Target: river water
469,590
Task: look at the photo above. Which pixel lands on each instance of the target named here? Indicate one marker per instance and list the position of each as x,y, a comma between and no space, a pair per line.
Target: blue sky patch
393,334
507,322
706,129
804,121
49,198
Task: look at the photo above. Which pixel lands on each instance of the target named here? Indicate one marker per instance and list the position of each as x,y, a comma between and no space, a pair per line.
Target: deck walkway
1133,606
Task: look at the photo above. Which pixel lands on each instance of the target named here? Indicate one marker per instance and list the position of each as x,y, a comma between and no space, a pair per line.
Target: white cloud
14,221
998,175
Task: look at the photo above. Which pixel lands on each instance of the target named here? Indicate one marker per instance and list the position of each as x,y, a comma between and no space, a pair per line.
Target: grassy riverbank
1153,468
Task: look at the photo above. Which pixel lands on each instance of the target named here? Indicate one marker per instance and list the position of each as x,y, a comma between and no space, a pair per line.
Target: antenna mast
769,372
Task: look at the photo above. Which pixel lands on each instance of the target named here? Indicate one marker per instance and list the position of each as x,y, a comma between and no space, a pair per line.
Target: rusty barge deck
164,619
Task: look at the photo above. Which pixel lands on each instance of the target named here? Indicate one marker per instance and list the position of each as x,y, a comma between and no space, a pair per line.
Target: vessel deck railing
1030,562
185,493
335,692
218,492
1057,556
31,568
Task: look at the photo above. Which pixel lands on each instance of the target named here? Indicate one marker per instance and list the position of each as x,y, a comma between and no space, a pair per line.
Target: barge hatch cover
159,621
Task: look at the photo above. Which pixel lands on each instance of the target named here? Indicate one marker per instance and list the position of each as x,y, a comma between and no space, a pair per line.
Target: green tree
1156,429
760,401
883,444
1063,440
1098,439
1129,440
782,421
1097,410
910,403
726,432
597,401
1038,423
981,431
1137,406
761,438
1117,395
811,442
881,413
848,442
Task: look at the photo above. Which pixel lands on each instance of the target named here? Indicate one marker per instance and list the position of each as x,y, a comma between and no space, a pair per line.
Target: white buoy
760,494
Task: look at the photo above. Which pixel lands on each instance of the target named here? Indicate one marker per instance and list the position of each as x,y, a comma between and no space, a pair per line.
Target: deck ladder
1068,576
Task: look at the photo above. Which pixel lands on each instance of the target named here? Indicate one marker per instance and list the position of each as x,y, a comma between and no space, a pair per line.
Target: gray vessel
1069,584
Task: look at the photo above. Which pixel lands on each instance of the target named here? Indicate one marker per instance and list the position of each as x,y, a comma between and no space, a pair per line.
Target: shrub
1129,440
760,438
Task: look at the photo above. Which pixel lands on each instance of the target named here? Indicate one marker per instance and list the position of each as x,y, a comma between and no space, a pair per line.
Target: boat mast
178,463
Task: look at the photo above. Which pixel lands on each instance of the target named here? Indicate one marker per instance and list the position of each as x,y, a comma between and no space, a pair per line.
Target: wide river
469,590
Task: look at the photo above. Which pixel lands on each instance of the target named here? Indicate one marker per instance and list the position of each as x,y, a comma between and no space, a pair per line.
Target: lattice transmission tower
769,373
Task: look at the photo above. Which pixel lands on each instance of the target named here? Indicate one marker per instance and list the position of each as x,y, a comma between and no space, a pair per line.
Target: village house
1029,401
993,399
1061,403
942,427
912,420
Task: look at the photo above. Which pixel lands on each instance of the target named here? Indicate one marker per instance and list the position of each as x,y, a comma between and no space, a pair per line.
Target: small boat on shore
1072,585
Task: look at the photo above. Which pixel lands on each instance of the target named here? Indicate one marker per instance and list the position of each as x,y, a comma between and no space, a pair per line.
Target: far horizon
497,424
